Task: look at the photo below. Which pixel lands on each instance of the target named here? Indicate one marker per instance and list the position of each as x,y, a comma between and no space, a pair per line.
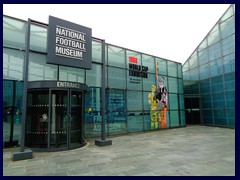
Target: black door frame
69,116
54,85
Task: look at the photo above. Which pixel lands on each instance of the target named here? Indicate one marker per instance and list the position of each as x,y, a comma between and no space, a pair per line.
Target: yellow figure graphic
152,101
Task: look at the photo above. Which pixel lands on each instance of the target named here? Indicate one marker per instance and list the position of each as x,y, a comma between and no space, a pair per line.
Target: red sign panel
133,60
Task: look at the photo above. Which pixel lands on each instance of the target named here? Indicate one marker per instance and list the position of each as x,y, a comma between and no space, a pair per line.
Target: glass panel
203,56
38,38
116,106
173,101
147,82
186,76
135,121
180,70
39,70
204,71
187,87
216,67
96,51
193,61
116,56
14,33
230,99
116,100
181,99
38,118
7,109
183,120
206,101
76,119
12,110
194,74
134,100
172,69
217,83
180,86
146,104
162,66
218,99
116,78
134,79
227,27
174,119
71,74
205,86
229,80
59,119
227,14
213,36
93,116
148,61
228,45
214,51
136,57
229,63
151,99
173,85
147,121
17,130
203,45
94,76
185,67
231,117
208,117
117,123
220,117
195,87
12,64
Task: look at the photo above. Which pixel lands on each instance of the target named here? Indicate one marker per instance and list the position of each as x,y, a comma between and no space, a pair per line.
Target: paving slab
189,151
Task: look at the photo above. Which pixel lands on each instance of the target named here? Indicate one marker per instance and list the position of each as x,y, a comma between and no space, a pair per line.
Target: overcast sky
170,31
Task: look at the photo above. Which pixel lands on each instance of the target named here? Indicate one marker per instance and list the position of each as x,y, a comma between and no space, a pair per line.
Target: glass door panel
76,118
37,119
59,119
54,119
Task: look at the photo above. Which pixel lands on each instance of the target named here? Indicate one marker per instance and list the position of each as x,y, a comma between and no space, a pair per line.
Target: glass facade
209,75
129,76
142,92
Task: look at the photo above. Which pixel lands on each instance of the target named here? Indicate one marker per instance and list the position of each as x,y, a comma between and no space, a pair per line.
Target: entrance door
66,119
192,112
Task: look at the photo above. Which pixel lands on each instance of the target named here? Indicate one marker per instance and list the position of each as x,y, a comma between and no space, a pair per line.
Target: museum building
59,82
67,71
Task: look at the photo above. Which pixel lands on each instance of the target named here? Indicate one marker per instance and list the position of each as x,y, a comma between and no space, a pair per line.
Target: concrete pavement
190,151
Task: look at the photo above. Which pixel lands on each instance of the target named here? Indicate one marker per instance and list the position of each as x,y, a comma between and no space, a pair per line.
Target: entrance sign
69,44
68,84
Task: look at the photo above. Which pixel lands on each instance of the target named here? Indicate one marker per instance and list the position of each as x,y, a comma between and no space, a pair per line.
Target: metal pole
13,111
25,80
103,91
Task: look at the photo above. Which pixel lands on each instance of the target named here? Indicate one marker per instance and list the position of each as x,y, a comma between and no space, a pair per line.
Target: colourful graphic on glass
163,103
152,101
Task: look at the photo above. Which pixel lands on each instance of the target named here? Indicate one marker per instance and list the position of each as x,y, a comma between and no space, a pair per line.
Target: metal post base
103,142
26,154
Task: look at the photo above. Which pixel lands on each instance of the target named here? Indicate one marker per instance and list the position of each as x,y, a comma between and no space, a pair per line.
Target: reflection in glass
12,64
116,56
37,119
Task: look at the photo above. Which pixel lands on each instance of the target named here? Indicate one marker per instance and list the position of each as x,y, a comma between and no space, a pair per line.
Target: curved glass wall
214,61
